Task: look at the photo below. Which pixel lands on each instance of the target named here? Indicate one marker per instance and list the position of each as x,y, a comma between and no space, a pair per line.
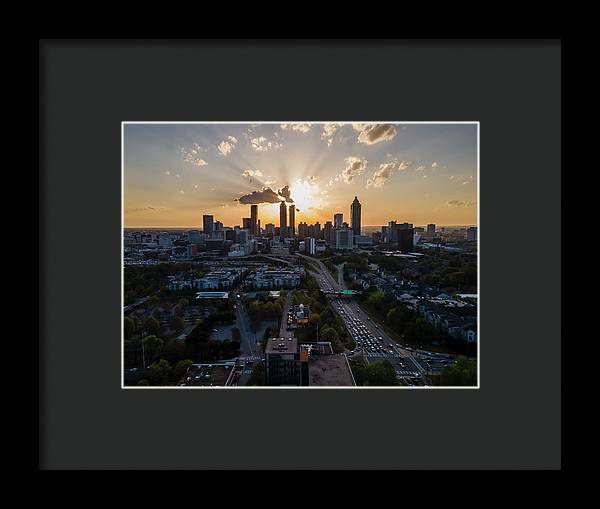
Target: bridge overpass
340,293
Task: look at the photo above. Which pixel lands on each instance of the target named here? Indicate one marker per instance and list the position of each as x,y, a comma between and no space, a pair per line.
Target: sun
308,198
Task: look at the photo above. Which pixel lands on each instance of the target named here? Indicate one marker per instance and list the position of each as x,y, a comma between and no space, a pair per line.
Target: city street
248,338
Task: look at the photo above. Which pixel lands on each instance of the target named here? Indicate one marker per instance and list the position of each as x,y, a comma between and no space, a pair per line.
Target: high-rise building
208,224
218,226
302,230
310,245
314,230
327,229
355,216
270,228
338,220
391,235
247,223
431,229
254,219
405,239
472,234
293,219
344,238
282,362
283,219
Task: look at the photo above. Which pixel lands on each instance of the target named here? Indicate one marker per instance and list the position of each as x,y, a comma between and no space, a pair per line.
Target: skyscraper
327,232
293,219
207,224
338,219
282,220
431,229
253,219
355,216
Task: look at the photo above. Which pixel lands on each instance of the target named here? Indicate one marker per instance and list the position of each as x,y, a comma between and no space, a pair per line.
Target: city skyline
173,174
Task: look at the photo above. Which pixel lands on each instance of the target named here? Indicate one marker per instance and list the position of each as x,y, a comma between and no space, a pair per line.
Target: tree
128,328
151,325
397,318
381,373
313,318
464,372
180,369
177,324
159,373
152,344
376,298
328,334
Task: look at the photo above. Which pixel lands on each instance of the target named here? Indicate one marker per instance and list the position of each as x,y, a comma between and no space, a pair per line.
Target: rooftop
282,345
329,370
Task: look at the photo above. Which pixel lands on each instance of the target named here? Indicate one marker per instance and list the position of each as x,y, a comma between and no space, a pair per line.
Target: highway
371,340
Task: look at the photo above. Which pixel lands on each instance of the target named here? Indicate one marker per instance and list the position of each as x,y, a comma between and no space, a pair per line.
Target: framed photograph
300,254
339,238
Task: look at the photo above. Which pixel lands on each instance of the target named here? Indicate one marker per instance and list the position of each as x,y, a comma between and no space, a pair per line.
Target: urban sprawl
299,304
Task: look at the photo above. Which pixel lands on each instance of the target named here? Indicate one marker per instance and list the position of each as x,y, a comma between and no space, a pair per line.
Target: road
371,340
283,332
248,337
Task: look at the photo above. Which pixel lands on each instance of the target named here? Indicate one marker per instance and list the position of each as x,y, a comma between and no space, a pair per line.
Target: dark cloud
285,193
267,195
374,133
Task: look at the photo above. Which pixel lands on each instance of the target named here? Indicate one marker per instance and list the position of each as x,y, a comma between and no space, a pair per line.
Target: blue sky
418,173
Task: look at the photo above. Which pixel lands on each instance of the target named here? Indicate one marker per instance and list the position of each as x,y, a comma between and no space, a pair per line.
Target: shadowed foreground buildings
287,363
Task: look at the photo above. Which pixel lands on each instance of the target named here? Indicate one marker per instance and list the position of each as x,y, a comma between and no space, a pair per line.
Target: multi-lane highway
371,340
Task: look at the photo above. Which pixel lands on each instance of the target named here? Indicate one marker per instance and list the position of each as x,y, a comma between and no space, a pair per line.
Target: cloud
459,203
269,182
226,146
374,133
466,182
148,208
266,195
167,172
434,164
451,177
302,128
191,155
328,132
262,144
252,173
285,193
420,168
385,171
355,166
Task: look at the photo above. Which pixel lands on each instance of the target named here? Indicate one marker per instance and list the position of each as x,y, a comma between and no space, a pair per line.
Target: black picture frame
87,87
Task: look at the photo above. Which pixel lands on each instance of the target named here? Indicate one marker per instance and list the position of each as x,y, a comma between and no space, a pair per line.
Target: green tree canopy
151,325
128,328
159,373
